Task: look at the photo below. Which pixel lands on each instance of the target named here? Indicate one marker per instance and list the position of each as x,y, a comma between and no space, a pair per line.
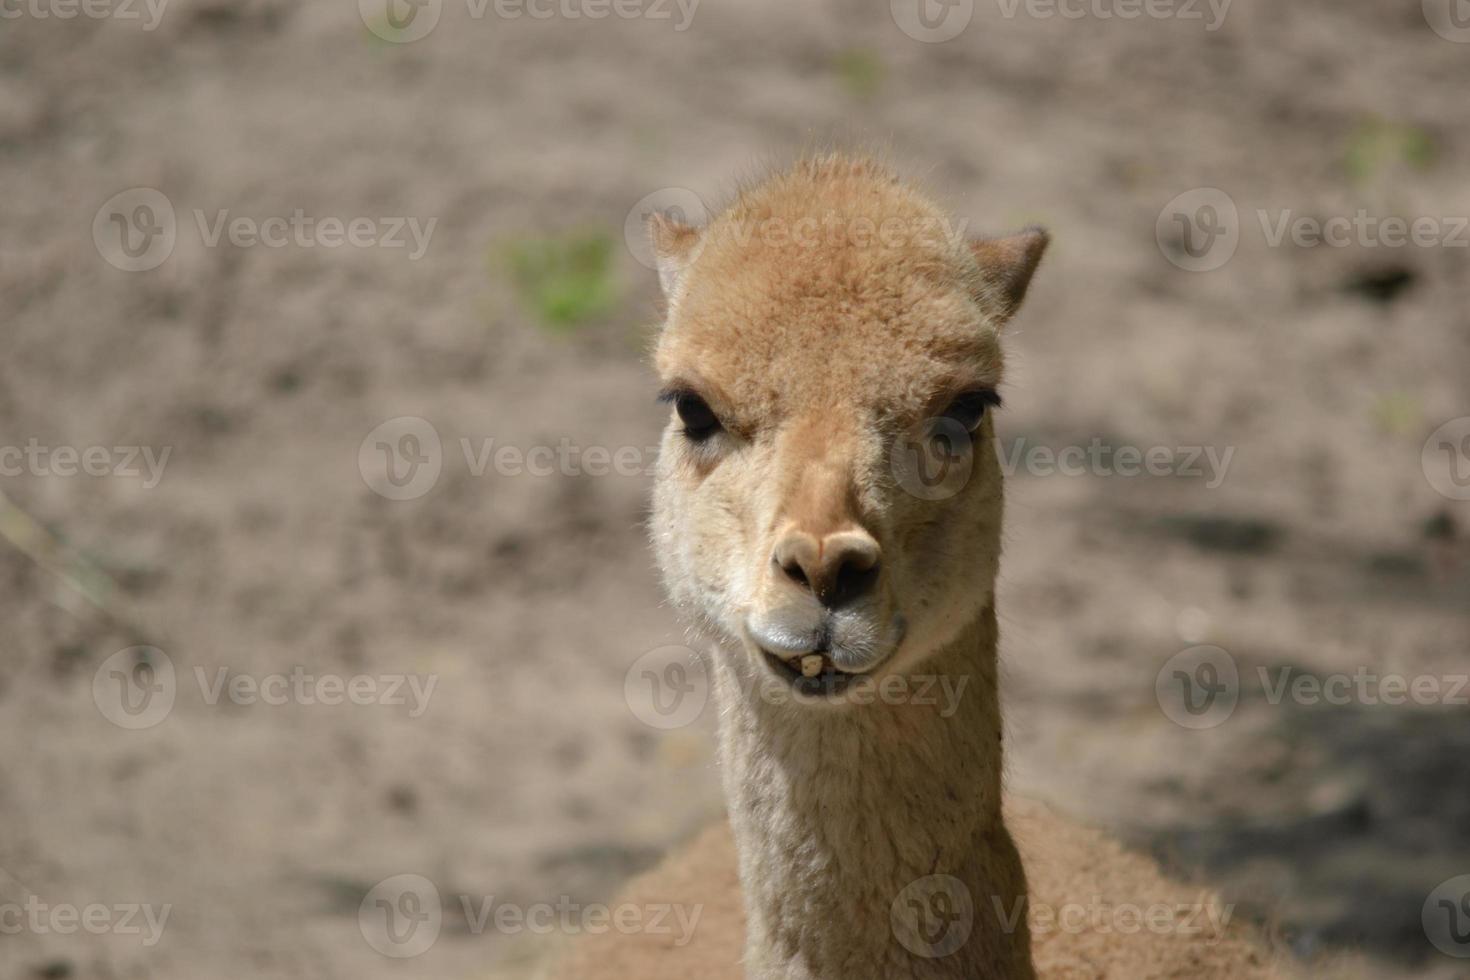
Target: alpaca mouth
813,674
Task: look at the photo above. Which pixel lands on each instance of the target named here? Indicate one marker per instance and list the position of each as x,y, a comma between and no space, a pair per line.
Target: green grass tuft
565,280
860,71
1378,145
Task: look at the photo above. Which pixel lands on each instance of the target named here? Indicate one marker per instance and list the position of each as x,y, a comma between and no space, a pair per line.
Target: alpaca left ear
675,245
1007,265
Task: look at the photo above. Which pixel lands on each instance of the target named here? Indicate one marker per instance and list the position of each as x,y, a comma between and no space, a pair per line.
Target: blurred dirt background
1325,549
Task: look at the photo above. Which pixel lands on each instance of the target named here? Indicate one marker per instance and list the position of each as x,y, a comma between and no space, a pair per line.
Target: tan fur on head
830,336
828,317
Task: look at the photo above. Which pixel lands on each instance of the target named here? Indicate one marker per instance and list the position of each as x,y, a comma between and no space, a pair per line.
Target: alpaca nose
838,568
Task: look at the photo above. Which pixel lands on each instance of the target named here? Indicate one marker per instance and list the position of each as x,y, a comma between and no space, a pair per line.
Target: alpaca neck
837,810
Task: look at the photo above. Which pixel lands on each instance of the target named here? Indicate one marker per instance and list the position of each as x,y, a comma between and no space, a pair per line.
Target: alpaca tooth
811,665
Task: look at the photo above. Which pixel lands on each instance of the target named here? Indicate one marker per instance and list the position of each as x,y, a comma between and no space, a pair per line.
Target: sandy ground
261,549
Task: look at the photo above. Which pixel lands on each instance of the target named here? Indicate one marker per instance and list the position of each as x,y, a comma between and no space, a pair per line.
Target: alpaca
828,508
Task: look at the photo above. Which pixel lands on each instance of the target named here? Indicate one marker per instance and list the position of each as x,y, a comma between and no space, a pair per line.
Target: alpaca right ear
1007,264
675,245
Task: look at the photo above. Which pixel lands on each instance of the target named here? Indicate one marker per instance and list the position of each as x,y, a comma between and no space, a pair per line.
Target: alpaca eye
968,410
699,419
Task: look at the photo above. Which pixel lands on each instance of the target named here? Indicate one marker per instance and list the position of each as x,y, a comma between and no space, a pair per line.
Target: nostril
792,568
855,578
836,569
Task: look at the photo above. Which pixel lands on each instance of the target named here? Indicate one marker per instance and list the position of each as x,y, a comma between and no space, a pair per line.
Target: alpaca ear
675,245
1007,264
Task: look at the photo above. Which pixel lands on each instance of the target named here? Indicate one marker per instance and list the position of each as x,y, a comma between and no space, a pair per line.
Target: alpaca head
828,496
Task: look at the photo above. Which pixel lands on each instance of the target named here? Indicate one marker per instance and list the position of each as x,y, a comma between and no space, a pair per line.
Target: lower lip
830,681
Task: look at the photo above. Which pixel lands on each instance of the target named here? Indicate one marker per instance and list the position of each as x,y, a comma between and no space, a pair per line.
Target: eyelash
687,403
977,402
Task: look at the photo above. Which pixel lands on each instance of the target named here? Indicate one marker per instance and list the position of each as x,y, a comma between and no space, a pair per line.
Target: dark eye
699,420
968,410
